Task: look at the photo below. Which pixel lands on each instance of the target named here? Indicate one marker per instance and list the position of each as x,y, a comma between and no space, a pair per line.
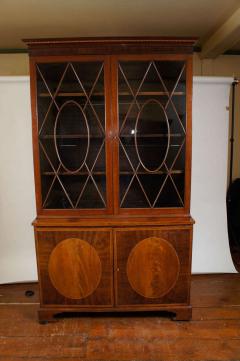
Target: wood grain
126,240
68,264
110,45
114,221
213,333
71,266
148,268
98,278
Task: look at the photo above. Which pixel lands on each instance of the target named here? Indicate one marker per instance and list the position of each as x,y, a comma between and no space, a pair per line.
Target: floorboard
212,335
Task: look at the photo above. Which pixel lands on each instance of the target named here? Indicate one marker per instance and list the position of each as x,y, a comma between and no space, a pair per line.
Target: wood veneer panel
148,270
126,240
71,266
49,241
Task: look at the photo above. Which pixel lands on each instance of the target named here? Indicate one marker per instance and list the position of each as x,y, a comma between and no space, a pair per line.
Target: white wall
17,204
211,252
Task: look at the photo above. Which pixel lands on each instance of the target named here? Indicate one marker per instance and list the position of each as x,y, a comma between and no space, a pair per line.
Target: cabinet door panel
152,266
153,133
75,267
72,127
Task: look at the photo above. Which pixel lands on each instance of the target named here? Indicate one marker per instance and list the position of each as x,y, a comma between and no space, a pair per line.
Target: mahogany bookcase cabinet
112,161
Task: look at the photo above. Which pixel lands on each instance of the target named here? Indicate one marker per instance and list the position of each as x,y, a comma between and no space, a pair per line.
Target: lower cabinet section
114,269
152,266
75,267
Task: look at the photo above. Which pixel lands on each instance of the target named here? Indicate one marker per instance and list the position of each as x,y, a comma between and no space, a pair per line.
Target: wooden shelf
77,94
131,136
150,93
70,136
151,145
151,135
69,94
74,174
122,173
147,173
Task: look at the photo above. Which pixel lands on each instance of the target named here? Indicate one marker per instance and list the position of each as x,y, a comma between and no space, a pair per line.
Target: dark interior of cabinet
71,120
72,132
152,124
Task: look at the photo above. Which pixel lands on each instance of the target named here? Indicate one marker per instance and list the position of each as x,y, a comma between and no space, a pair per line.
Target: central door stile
108,133
115,131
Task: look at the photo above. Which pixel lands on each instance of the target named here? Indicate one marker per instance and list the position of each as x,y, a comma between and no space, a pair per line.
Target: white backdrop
17,207
209,174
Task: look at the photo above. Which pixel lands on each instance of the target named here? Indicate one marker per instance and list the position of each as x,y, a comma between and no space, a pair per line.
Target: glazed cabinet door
71,126
152,146
75,267
152,266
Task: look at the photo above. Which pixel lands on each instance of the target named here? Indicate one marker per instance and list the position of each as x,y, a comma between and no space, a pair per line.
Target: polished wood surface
56,299
75,267
213,333
110,45
107,275
44,48
70,268
113,221
188,154
180,246
148,270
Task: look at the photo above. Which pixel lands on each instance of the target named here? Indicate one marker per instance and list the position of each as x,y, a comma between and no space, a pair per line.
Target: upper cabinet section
111,125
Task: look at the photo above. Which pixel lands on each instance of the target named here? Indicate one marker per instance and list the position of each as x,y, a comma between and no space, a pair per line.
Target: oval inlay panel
71,136
153,267
152,135
74,268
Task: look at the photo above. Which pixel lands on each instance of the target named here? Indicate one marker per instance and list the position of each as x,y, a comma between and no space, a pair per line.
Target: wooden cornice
110,45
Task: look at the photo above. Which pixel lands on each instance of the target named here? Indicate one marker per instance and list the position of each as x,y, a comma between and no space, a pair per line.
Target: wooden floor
213,334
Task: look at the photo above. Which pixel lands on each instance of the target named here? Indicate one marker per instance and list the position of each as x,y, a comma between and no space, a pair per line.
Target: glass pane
71,122
152,125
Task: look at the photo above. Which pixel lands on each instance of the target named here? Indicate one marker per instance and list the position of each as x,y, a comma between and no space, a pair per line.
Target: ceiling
58,18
